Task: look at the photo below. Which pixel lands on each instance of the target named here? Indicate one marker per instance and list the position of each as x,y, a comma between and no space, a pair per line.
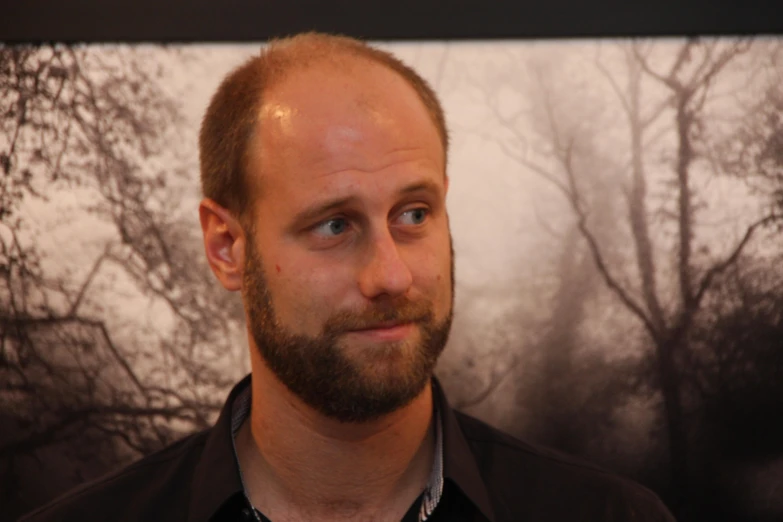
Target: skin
357,219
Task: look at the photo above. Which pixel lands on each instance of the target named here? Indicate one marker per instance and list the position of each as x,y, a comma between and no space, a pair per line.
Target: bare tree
658,101
77,372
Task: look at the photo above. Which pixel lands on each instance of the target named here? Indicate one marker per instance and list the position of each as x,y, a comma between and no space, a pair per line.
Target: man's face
348,281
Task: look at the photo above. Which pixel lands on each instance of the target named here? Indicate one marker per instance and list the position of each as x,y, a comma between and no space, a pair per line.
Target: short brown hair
229,122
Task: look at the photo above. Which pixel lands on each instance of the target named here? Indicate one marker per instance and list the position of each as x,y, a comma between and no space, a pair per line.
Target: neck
299,463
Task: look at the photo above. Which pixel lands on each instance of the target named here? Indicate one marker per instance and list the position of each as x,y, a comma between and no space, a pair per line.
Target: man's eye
332,227
415,216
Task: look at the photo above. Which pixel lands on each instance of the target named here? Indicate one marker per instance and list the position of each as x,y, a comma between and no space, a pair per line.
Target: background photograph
616,206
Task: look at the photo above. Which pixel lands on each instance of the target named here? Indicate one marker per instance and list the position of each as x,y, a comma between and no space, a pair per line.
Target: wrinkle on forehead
397,157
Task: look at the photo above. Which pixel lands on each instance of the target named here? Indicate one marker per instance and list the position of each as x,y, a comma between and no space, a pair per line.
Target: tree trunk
675,421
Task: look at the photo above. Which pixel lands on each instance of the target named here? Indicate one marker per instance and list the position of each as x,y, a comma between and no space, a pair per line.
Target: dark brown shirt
489,476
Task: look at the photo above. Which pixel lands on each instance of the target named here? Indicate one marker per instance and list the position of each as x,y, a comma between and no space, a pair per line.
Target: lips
382,325
386,331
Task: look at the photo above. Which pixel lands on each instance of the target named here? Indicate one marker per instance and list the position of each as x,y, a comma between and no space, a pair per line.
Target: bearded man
323,166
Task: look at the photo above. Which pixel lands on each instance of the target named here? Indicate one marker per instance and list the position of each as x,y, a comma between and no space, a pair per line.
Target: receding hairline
312,50
287,56
365,99
274,64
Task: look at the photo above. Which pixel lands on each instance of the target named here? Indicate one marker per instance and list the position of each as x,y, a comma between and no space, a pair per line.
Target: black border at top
258,20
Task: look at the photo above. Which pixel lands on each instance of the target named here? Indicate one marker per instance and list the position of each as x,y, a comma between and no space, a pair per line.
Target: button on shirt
486,476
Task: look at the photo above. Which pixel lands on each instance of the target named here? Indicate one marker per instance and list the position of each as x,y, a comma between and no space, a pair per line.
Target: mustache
398,310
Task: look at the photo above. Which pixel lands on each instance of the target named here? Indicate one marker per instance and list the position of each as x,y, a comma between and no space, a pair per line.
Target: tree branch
719,267
99,325
608,278
495,380
637,203
642,61
88,280
615,87
57,431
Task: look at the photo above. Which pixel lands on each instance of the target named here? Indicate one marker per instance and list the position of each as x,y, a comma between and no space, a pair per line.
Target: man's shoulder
130,493
552,482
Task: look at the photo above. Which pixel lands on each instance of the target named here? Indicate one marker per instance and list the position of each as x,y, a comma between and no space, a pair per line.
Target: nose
384,271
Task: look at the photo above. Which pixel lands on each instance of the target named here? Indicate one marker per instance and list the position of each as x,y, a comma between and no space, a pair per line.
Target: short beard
317,370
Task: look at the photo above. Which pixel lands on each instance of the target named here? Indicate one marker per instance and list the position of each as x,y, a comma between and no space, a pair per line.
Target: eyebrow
325,207
420,186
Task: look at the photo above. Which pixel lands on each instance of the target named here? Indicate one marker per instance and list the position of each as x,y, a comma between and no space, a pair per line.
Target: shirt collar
216,477
217,481
459,460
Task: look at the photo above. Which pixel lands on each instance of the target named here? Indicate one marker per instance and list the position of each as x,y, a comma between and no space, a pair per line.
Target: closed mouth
382,326
389,331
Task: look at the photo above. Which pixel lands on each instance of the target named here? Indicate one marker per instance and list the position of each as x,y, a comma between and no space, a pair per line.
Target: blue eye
332,227
414,216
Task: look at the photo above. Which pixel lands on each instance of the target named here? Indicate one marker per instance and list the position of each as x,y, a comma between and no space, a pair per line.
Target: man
323,165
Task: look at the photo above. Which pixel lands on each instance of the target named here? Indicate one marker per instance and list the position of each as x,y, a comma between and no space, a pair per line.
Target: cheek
432,269
306,293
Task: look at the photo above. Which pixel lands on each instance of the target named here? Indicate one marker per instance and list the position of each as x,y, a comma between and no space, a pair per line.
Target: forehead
328,118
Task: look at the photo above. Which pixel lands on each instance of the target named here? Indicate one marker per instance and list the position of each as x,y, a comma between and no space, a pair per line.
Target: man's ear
224,243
